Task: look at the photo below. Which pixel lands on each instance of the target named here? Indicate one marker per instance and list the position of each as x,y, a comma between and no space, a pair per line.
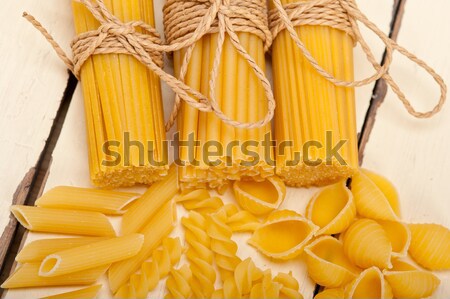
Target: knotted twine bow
114,36
344,15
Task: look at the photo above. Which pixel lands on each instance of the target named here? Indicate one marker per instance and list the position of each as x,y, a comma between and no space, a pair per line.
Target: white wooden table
411,152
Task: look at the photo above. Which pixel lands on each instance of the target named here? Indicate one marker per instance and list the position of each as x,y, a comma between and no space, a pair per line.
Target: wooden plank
414,153
32,83
70,166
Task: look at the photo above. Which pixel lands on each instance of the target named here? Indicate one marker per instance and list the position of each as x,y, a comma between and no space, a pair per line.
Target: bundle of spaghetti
123,106
229,66
314,87
199,255
152,271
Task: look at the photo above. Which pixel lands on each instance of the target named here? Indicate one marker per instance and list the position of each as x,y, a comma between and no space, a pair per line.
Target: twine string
345,15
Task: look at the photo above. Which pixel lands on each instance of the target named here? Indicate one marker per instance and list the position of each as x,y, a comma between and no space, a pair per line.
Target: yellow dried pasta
199,200
337,293
260,197
328,264
274,238
399,235
199,255
87,199
152,271
289,285
179,282
366,244
370,284
370,200
332,209
409,281
84,293
243,221
430,246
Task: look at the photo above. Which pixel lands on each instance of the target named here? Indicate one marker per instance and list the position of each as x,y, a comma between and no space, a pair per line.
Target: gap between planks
32,185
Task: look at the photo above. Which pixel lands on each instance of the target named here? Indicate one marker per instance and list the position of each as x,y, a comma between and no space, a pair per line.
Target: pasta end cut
49,265
20,216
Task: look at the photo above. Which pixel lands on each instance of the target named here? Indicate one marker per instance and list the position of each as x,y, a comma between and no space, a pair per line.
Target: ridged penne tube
370,201
84,293
159,226
200,201
63,221
409,281
399,236
327,263
87,199
179,282
370,284
123,106
152,271
260,197
274,238
337,293
148,204
386,187
332,209
366,244
430,246
91,255
27,276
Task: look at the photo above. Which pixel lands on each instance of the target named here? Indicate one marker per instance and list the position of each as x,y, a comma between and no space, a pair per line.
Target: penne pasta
91,255
148,204
159,226
37,250
87,199
63,221
27,276
84,293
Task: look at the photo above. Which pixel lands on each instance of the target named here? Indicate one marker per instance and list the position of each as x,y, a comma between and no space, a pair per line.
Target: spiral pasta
332,209
152,271
366,244
370,284
370,200
179,283
199,255
409,281
274,238
241,221
289,285
327,263
430,246
200,200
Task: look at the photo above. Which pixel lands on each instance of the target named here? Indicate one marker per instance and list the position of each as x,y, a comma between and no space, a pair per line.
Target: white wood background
408,151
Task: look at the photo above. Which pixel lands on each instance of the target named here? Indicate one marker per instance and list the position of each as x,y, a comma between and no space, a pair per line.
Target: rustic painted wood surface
70,157
414,153
32,83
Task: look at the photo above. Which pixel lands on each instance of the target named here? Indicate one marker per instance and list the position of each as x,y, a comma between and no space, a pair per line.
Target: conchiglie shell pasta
399,235
386,187
366,244
275,239
430,246
332,209
370,200
370,284
331,294
260,197
327,263
408,281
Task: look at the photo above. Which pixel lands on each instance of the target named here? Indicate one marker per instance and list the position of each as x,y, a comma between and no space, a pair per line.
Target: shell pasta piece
27,276
84,293
370,284
274,238
87,199
152,271
430,246
37,250
91,255
63,221
327,263
408,281
337,293
332,209
179,282
370,200
399,236
366,244
260,197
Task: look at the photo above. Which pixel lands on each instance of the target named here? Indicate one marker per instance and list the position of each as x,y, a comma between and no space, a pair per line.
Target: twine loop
344,15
